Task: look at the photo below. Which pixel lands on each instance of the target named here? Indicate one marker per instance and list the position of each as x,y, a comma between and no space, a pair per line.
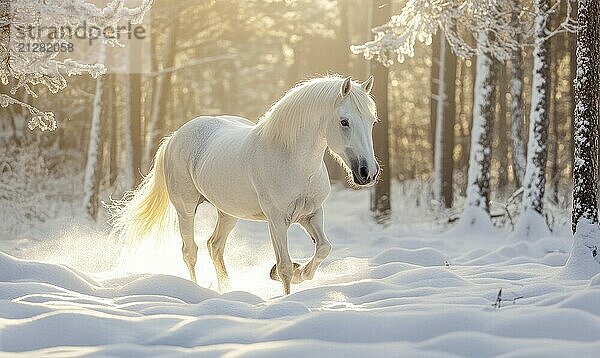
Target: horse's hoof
275,276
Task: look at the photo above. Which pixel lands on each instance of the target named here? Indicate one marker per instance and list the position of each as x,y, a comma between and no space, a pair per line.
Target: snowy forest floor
410,288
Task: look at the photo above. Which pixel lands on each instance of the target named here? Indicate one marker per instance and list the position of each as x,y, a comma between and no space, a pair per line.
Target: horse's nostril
364,172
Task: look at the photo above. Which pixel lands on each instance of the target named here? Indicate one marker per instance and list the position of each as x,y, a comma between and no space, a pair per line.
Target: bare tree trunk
135,112
502,149
465,119
434,93
160,98
516,109
478,191
554,120
114,129
126,173
534,182
573,77
448,132
585,175
444,127
91,184
556,47
380,197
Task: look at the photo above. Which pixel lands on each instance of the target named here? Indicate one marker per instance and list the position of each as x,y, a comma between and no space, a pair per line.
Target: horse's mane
306,104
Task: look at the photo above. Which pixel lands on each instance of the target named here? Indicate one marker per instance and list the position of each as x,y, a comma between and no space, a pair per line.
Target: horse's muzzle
363,177
361,174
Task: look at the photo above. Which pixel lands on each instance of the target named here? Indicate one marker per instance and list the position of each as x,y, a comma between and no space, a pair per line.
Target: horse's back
212,151
200,133
206,126
235,120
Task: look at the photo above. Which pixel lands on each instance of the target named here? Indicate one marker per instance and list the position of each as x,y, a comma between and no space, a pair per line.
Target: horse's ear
368,84
346,87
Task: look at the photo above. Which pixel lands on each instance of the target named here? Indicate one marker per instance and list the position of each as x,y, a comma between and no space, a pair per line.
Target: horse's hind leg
186,210
216,246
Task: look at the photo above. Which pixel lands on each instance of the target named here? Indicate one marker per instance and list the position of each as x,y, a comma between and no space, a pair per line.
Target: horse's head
350,131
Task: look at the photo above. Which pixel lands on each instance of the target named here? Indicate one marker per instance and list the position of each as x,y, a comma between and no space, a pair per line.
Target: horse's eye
344,122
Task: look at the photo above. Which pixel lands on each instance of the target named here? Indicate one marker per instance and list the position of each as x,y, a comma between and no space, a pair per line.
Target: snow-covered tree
461,21
532,220
584,256
91,183
480,160
491,27
24,23
516,105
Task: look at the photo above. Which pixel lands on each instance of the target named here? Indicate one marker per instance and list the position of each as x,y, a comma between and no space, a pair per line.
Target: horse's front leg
284,267
314,227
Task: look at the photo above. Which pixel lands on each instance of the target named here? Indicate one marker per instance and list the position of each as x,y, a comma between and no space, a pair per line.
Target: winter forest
321,178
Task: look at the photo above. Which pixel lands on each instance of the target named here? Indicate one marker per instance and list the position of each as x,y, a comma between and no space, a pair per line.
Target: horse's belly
228,188
236,203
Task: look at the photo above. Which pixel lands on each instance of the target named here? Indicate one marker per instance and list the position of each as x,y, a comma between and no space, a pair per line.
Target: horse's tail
147,208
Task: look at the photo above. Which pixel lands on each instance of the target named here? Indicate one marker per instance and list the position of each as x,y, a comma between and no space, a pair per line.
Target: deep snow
385,291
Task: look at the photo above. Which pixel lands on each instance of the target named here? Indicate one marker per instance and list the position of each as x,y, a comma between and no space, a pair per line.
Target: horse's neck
306,152
309,151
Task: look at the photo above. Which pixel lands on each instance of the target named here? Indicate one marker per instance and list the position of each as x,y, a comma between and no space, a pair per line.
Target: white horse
270,171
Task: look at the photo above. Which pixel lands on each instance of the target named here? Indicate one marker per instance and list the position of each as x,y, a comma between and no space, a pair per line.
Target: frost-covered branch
568,23
42,120
28,28
461,22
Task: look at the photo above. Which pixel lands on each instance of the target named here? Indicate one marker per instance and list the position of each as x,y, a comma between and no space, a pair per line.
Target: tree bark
478,190
584,261
113,130
557,47
380,197
465,121
516,106
555,121
160,98
587,91
126,173
444,127
135,111
502,152
91,184
573,78
537,148
434,93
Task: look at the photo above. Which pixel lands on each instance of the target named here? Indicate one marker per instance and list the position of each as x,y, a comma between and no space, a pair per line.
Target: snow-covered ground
399,290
